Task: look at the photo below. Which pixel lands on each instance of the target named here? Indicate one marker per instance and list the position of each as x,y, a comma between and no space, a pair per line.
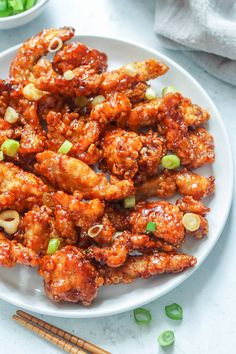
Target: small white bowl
24,17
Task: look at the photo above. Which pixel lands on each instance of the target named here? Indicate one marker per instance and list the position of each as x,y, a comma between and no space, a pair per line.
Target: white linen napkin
205,30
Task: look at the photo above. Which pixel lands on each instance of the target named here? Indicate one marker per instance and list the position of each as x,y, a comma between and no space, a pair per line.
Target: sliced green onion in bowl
142,316
10,147
65,147
166,338
95,230
129,202
53,245
6,13
16,5
170,162
168,89
3,5
11,115
29,4
150,94
151,226
174,311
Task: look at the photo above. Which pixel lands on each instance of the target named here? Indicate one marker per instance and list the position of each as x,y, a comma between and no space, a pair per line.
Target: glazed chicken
64,118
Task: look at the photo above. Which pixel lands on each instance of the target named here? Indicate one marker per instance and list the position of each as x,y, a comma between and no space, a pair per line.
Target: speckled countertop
209,296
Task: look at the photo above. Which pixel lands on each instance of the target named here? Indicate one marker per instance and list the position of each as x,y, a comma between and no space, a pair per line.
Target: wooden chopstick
57,333
69,348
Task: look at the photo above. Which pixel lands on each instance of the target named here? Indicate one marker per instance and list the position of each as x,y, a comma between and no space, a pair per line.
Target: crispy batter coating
71,175
190,205
35,229
85,80
162,186
69,276
116,254
33,49
146,266
79,131
167,183
197,186
114,108
12,253
118,216
121,80
19,190
146,114
27,130
166,216
128,155
73,55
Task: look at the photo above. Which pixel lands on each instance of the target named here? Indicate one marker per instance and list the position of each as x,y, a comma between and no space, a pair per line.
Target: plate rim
99,312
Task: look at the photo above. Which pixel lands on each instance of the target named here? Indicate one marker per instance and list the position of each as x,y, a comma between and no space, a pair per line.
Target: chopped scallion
142,316
170,162
168,89
129,202
10,147
174,311
65,147
151,226
166,338
53,245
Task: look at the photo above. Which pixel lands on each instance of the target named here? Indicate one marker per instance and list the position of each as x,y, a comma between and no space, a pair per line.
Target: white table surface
209,296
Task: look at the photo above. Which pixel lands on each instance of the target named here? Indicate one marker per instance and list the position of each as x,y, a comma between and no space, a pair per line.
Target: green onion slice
129,202
168,89
151,226
1,156
170,162
29,4
53,245
10,147
142,316
166,338
6,13
16,5
3,5
65,147
174,311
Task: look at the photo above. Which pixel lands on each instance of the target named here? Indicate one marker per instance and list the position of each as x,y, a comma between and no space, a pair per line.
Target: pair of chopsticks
68,342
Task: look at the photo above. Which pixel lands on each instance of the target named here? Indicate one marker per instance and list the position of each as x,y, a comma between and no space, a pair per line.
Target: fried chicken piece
80,132
19,190
196,149
71,175
12,253
146,266
118,216
166,216
114,108
27,129
69,276
33,49
190,205
185,182
116,254
162,186
85,80
128,155
122,79
149,114
197,186
73,55
136,93
35,229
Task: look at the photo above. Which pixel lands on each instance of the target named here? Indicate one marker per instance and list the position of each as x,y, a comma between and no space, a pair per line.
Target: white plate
23,287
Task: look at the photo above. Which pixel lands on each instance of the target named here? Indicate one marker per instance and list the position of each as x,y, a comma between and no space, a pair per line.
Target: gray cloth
205,30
